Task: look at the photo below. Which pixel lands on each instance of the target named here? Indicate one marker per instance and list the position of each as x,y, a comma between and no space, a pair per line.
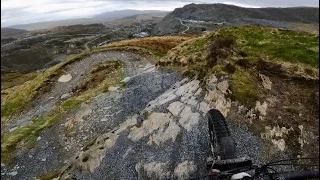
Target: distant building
220,23
194,21
141,34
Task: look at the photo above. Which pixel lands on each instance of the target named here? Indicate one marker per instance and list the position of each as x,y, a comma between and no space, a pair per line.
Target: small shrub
243,63
224,42
242,53
220,49
309,71
230,68
243,89
269,67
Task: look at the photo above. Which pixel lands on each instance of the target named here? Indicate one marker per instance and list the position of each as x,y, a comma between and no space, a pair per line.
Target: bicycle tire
220,138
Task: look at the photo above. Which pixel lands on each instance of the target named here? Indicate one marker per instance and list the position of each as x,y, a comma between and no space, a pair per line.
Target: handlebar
290,176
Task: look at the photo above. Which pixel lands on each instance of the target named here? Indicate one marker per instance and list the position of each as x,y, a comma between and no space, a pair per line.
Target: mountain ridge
8,32
99,18
233,14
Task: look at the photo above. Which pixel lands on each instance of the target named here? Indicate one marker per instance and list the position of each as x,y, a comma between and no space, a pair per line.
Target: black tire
220,138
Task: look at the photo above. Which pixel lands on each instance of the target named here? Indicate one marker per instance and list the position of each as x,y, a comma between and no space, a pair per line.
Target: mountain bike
225,165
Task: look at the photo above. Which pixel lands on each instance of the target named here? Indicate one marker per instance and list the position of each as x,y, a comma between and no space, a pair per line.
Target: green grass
49,175
196,56
288,46
71,104
219,70
199,45
202,56
17,101
11,79
243,88
159,55
9,141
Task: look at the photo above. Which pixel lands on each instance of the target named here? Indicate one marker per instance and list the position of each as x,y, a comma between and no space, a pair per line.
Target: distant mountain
127,13
76,29
233,14
100,18
10,32
148,16
52,24
144,17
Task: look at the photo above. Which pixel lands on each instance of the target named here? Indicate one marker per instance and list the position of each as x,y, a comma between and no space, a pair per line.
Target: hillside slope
77,29
218,13
9,32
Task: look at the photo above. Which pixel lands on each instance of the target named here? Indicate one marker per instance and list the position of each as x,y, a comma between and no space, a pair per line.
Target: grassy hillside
279,69
77,29
246,44
11,32
157,46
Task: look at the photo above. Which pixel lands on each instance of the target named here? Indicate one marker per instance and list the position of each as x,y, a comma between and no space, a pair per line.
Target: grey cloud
260,3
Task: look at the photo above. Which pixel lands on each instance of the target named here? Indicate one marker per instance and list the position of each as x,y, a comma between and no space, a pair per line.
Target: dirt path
86,44
78,71
100,36
183,32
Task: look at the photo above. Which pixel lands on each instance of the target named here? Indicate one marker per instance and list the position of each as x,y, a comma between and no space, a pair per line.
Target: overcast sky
30,11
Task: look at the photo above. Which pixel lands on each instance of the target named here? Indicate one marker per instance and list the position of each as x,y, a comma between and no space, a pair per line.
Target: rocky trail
167,140
100,114
154,128
77,75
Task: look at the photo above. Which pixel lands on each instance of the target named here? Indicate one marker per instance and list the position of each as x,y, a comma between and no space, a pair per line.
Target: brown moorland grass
158,46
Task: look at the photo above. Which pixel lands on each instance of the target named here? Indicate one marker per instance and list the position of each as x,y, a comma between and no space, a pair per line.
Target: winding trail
78,70
183,32
86,44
